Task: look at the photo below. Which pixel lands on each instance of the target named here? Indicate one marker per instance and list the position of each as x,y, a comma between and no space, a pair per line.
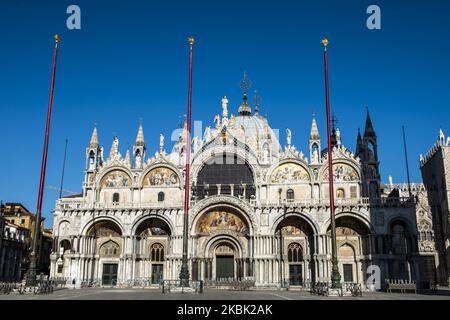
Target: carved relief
289,172
161,177
426,246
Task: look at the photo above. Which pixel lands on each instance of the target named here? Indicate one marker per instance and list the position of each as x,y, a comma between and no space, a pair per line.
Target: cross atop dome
245,109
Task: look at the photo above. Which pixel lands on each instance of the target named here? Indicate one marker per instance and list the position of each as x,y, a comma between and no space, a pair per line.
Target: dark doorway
295,275
224,267
348,272
157,273
109,277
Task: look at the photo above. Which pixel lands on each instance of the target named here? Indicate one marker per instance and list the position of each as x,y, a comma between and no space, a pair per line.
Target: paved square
212,294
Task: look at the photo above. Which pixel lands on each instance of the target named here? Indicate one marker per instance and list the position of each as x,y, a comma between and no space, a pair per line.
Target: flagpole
31,274
184,272
335,276
406,160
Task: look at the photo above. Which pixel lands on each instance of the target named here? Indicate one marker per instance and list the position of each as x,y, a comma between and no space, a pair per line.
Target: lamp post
184,272
31,274
335,276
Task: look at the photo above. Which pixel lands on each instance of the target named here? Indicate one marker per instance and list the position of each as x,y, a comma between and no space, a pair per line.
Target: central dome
255,130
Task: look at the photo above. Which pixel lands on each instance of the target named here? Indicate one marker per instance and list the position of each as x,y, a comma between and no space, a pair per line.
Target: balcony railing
81,205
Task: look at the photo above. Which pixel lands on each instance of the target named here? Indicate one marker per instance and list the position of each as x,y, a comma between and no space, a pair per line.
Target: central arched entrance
224,256
222,242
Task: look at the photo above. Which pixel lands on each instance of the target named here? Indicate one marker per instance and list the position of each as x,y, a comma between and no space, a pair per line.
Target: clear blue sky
130,60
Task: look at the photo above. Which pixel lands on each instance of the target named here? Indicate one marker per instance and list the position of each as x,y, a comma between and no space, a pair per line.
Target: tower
94,156
314,142
367,150
94,159
139,148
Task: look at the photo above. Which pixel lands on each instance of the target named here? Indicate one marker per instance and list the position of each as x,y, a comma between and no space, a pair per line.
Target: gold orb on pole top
57,39
191,41
325,42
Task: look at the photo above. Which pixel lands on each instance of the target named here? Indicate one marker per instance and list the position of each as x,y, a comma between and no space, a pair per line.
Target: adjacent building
435,167
12,247
18,217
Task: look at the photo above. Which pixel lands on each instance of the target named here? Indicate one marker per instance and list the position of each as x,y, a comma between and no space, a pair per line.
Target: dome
255,130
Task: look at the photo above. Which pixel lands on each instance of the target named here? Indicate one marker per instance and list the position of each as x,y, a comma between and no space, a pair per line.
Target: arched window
161,196
295,253
226,170
340,193
116,198
157,252
290,195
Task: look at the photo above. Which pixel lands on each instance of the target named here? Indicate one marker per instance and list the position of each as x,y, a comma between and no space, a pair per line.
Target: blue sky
130,60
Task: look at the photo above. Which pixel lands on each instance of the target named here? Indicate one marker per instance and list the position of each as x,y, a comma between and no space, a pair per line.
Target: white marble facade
257,211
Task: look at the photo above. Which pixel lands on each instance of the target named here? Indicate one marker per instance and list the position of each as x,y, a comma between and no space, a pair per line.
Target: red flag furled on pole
31,278
184,272
335,276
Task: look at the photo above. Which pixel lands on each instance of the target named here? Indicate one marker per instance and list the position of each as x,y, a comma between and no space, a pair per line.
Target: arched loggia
225,174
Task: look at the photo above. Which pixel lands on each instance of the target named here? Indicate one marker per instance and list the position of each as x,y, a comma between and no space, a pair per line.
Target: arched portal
224,256
295,239
107,246
152,244
223,245
400,244
353,244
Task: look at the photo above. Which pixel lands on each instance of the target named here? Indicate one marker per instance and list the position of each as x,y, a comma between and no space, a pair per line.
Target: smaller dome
244,108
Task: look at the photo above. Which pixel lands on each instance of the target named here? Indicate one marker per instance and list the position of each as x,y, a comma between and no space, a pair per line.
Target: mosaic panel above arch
288,173
342,173
294,226
105,229
153,227
161,176
219,220
116,179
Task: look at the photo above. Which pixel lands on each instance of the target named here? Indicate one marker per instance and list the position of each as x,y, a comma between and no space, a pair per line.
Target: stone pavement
212,294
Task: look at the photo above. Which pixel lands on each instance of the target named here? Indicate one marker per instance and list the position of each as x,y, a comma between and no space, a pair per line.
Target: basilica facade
258,211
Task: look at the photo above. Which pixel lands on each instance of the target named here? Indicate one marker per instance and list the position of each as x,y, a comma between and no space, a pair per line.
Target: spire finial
256,97
140,141
244,109
325,43
191,41
334,121
94,138
245,83
314,134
